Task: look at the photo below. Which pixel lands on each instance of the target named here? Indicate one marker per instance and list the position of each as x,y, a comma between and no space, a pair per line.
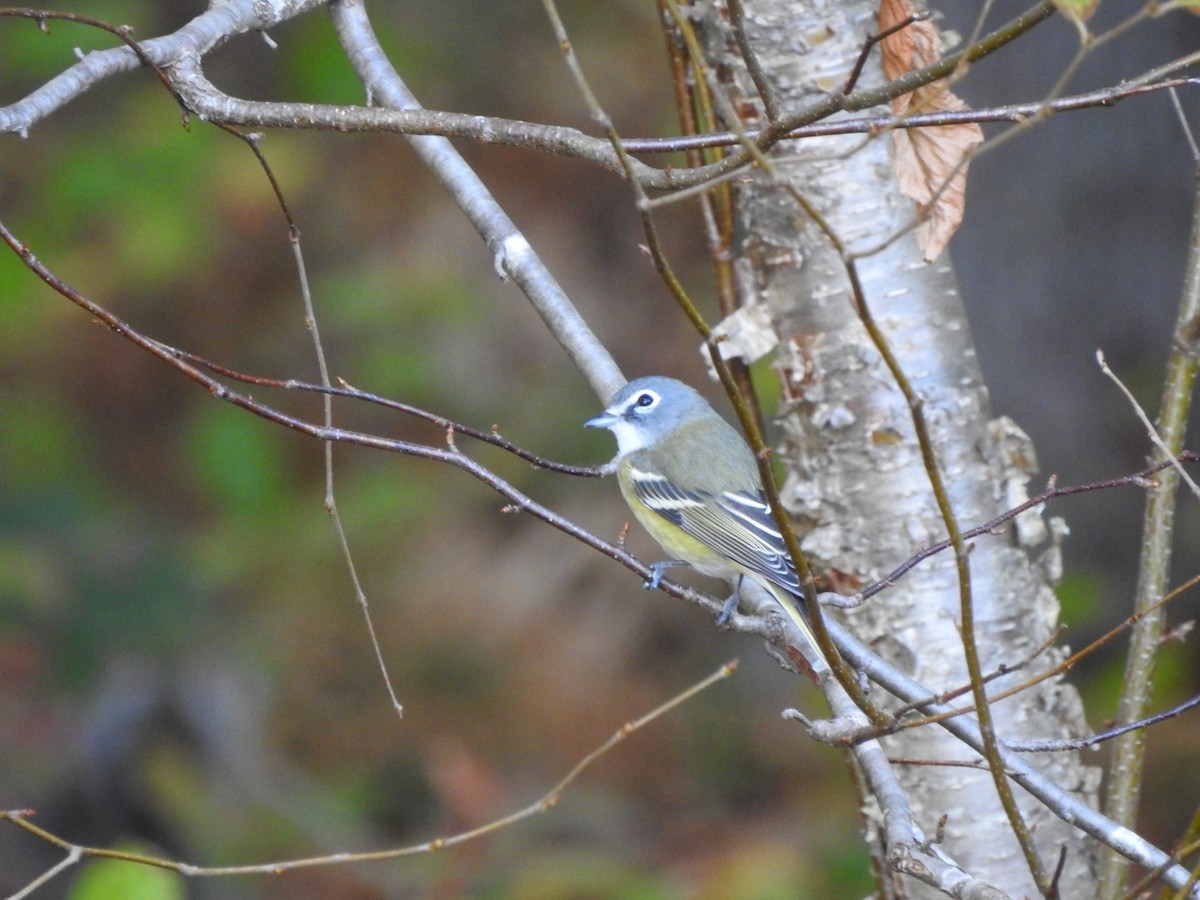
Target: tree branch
514,256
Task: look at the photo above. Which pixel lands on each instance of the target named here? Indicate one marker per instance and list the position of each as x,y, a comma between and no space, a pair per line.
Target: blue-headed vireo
693,483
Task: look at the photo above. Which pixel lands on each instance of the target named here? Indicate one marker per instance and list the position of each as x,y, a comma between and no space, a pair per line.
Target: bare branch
1107,735
179,54
79,852
350,392
513,254
1137,479
202,34
1062,803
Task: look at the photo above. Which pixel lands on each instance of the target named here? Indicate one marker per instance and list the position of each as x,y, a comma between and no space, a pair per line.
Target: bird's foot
730,607
656,572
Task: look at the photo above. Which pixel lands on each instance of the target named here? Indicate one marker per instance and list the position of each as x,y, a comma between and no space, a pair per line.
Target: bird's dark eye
645,400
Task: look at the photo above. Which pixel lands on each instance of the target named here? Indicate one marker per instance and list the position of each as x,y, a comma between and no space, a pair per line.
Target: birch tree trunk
857,481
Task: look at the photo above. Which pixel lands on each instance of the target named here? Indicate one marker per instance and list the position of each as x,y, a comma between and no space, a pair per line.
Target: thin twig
870,43
1058,744
737,22
77,852
992,526
491,436
1057,671
1019,113
1184,124
1151,431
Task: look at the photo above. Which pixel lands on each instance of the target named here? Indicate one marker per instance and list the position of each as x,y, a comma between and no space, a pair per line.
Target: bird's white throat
630,438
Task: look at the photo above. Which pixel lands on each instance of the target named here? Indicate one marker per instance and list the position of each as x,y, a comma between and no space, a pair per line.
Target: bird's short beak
605,420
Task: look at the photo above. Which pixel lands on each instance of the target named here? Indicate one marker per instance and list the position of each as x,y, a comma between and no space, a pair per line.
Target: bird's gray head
646,410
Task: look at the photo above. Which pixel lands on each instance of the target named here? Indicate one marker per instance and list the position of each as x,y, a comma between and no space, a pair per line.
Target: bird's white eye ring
646,399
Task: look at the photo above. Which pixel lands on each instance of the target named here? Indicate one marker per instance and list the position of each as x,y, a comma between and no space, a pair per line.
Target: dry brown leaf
897,49
930,163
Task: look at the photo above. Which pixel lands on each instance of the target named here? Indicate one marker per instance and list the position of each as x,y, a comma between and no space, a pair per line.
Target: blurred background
183,667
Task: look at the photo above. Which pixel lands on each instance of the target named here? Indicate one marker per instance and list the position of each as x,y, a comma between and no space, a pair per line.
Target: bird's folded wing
736,524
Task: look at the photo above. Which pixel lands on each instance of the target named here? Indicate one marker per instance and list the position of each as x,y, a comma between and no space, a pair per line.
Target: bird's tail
793,606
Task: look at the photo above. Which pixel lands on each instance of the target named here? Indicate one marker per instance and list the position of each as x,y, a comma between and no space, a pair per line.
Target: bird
693,483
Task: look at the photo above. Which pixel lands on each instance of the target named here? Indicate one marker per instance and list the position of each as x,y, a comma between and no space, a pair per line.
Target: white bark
857,479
